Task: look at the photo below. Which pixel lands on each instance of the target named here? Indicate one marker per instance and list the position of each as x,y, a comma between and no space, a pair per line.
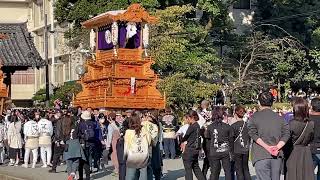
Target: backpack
89,132
138,151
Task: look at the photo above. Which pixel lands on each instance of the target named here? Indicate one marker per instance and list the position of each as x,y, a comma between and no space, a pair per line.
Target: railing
122,54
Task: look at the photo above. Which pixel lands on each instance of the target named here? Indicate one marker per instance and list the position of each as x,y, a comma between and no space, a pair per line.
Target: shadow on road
174,174
107,171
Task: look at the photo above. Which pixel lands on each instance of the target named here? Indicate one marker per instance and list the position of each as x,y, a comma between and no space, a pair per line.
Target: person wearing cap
58,142
90,132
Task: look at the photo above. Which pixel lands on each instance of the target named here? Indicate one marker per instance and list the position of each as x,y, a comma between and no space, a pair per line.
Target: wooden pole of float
3,36
105,98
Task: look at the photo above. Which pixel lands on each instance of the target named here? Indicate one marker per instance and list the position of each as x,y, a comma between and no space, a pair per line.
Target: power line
288,17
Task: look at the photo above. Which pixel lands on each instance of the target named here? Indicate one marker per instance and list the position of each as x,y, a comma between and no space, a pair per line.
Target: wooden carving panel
129,71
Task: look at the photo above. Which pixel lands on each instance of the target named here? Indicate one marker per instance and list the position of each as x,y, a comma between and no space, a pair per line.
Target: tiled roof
18,48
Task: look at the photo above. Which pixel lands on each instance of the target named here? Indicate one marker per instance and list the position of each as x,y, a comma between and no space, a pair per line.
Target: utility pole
52,41
46,56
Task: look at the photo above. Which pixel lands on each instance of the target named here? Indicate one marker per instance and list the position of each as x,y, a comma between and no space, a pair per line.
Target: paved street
173,169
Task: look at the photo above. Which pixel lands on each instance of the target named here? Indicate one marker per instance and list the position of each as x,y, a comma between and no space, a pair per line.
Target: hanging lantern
92,39
115,33
108,37
145,36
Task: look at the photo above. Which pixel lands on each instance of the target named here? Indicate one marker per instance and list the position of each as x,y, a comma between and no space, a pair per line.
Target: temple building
17,53
119,74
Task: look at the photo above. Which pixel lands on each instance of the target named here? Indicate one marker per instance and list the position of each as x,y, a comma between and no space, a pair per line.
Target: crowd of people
286,144
137,141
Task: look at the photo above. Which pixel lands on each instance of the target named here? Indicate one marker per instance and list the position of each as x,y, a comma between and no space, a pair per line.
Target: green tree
64,93
299,17
182,92
179,44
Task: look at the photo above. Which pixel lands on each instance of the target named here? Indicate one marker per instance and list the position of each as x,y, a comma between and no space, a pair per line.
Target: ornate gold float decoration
119,74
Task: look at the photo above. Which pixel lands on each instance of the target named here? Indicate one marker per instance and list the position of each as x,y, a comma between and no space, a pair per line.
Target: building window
23,77
66,71
41,43
41,12
43,76
242,4
58,73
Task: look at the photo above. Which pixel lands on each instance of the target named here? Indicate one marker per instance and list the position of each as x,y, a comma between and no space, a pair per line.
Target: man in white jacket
31,134
46,132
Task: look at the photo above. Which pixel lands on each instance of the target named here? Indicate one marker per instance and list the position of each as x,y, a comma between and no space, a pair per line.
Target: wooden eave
134,13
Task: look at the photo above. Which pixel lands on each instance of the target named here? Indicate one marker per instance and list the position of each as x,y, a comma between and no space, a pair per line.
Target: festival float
118,75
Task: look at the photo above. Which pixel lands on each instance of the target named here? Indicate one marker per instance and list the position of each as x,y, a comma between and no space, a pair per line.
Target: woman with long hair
191,146
137,144
14,140
241,144
221,144
74,153
300,163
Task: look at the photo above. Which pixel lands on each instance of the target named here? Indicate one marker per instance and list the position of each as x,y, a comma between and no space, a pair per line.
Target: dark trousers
105,157
156,162
206,163
206,166
84,165
316,161
72,165
191,163
169,148
268,169
241,166
233,170
58,152
215,164
13,153
121,160
93,154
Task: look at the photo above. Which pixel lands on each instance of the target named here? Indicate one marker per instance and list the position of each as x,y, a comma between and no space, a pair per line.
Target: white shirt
201,121
30,128
183,129
45,127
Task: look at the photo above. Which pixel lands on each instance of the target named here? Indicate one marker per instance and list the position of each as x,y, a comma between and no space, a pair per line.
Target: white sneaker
24,165
49,164
33,166
44,166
